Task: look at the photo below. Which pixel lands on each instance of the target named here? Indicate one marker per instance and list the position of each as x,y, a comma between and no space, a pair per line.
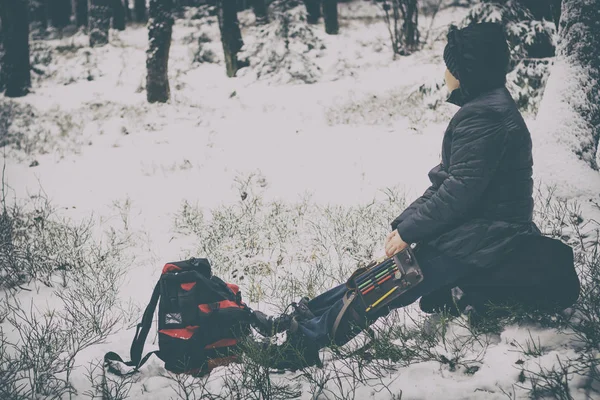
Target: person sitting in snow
473,224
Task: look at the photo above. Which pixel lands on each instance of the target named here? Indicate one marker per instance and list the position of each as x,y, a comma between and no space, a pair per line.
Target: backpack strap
137,346
348,298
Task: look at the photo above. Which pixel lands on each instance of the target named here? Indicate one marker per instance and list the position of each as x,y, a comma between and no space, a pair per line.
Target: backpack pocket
179,299
185,351
181,350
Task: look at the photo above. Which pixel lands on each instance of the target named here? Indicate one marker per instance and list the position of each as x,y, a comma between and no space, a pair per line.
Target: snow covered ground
341,140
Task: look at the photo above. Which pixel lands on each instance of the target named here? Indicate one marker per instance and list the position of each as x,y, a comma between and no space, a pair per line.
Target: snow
559,126
341,140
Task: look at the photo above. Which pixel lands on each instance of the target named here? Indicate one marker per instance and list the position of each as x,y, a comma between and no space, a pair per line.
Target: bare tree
402,19
330,15
139,10
231,36
99,22
313,11
15,74
260,11
81,12
160,28
572,96
118,15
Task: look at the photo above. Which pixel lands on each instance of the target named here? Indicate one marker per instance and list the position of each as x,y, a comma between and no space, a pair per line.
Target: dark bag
200,321
539,273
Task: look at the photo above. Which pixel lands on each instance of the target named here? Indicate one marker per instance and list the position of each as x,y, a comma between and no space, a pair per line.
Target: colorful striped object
388,279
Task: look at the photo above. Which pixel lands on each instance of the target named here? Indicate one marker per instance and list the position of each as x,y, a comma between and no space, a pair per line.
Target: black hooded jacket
480,199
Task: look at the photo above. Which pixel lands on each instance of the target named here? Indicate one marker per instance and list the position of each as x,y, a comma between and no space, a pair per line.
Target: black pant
538,274
438,271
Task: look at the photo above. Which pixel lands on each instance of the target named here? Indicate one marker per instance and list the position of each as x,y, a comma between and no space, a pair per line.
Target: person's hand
394,244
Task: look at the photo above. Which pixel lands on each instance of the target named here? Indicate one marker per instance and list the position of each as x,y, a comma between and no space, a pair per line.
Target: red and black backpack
200,321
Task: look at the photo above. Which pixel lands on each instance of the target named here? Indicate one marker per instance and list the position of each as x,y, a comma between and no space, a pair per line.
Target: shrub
37,245
203,54
25,131
403,25
85,274
531,45
281,251
283,50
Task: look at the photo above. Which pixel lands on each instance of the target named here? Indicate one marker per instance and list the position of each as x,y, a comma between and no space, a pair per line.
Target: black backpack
200,321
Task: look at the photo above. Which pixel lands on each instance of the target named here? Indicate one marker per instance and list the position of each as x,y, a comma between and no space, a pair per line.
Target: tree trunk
118,15
410,25
555,6
330,15
2,69
139,10
313,11
242,4
43,14
570,109
99,20
60,13
128,14
160,27
260,11
81,12
231,36
15,73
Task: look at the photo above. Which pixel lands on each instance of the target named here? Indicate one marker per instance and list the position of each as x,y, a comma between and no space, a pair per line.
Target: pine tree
15,72
531,42
99,22
330,15
284,50
160,28
231,36
548,9
523,22
572,96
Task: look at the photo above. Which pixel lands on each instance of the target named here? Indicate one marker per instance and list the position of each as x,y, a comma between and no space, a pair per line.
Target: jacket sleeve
413,206
436,176
478,144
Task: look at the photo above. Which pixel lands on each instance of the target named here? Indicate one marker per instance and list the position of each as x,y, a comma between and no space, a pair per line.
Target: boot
443,301
294,354
301,310
269,326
